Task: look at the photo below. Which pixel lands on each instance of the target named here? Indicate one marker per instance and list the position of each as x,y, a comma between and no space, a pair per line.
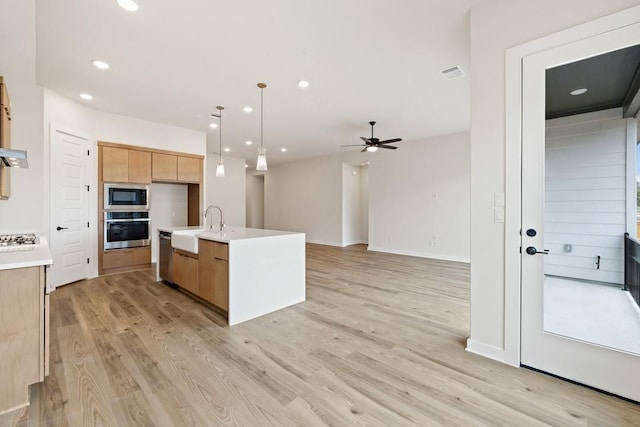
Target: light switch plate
498,199
498,214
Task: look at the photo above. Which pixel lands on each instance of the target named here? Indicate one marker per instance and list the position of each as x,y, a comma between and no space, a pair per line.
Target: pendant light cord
261,116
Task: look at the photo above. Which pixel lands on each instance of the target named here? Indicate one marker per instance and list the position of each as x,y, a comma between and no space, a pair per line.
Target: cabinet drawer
126,257
221,251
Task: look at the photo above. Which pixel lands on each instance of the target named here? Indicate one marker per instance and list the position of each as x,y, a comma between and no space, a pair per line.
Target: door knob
61,228
531,232
532,251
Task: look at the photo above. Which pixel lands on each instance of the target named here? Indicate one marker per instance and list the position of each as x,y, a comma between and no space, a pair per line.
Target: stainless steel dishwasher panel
165,268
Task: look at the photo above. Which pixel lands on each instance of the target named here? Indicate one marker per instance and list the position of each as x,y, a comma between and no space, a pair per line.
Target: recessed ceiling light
247,109
580,91
246,165
284,150
372,149
303,84
248,142
86,96
227,149
213,125
129,5
100,64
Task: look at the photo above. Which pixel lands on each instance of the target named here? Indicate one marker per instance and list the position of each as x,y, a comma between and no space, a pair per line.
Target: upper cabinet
126,165
189,169
165,167
176,168
5,140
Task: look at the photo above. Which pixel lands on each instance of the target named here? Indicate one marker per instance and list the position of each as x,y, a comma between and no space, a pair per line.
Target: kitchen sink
186,240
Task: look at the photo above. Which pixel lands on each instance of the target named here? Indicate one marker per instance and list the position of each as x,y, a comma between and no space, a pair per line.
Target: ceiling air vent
452,73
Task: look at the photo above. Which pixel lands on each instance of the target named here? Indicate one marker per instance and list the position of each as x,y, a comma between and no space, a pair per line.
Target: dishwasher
165,268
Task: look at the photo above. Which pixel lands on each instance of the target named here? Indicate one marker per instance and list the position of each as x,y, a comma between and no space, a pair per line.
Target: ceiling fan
372,144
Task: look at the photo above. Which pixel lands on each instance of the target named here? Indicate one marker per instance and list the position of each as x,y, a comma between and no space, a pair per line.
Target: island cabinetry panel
185,270
23,340
213,272
125,165
165,167
5,140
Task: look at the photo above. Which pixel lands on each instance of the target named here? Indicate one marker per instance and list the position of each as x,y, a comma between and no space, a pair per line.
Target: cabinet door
221,280
115,164
139,166
5,142
189,169
185,272
165,167
206,267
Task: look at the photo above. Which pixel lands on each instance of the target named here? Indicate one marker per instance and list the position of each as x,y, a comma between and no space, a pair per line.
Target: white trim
465,260
632,141
513,158
325,242
486,350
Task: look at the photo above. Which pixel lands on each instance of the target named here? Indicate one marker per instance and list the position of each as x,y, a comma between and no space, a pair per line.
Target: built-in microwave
126,196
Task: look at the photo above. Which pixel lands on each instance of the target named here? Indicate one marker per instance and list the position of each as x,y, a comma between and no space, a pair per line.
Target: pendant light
220,167
261,164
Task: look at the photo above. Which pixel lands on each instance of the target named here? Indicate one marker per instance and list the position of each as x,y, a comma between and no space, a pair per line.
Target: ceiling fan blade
389,141
353,145
365,139
364,149
390,147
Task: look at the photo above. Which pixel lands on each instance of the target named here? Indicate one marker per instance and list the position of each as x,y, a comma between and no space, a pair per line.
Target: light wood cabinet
139,167
213,273
176,168
23,337
165,167
130,257
125,165
185,270
5,140
189,169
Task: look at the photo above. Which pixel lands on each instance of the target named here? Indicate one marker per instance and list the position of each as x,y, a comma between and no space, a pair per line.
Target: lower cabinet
213,273
24,320
185,270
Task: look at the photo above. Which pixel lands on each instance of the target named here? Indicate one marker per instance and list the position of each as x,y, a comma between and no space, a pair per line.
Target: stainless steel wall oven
126,229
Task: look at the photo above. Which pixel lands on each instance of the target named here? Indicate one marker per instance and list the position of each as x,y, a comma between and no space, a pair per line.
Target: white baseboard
324,242
355,242
466,260
485,350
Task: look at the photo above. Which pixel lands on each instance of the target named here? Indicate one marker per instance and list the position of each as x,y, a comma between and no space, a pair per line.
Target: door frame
90,247
513,158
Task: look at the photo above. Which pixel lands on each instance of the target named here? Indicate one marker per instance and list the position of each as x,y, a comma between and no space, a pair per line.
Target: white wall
496,26
23,211
404,215
351,207
229,192
255,201
364,203
168,209
585,196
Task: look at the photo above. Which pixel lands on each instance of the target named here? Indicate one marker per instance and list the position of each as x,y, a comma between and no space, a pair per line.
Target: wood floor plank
379,342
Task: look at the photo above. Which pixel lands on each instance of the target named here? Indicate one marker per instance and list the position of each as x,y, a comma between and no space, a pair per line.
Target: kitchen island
245,272
24,320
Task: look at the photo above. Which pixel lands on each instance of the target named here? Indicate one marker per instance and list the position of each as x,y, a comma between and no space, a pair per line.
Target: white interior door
592,364
69,207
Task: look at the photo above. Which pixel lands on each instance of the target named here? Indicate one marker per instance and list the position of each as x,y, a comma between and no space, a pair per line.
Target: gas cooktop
17,239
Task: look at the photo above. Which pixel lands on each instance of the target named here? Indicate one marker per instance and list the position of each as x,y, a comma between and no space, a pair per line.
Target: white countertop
39,255
229,234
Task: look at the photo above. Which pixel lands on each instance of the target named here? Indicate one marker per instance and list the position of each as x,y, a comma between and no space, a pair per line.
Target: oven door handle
127,220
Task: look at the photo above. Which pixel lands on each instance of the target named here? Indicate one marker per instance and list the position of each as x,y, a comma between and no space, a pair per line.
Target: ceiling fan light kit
261,164
372,144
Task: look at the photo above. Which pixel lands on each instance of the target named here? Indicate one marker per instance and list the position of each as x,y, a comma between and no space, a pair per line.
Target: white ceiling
174,61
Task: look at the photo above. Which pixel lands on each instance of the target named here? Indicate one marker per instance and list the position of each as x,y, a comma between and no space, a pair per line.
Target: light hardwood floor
379,341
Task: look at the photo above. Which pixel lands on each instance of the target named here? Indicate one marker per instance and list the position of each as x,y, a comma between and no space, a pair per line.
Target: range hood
13,158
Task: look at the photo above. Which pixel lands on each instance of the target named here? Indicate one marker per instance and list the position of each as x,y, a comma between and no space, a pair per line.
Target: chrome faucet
210,221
